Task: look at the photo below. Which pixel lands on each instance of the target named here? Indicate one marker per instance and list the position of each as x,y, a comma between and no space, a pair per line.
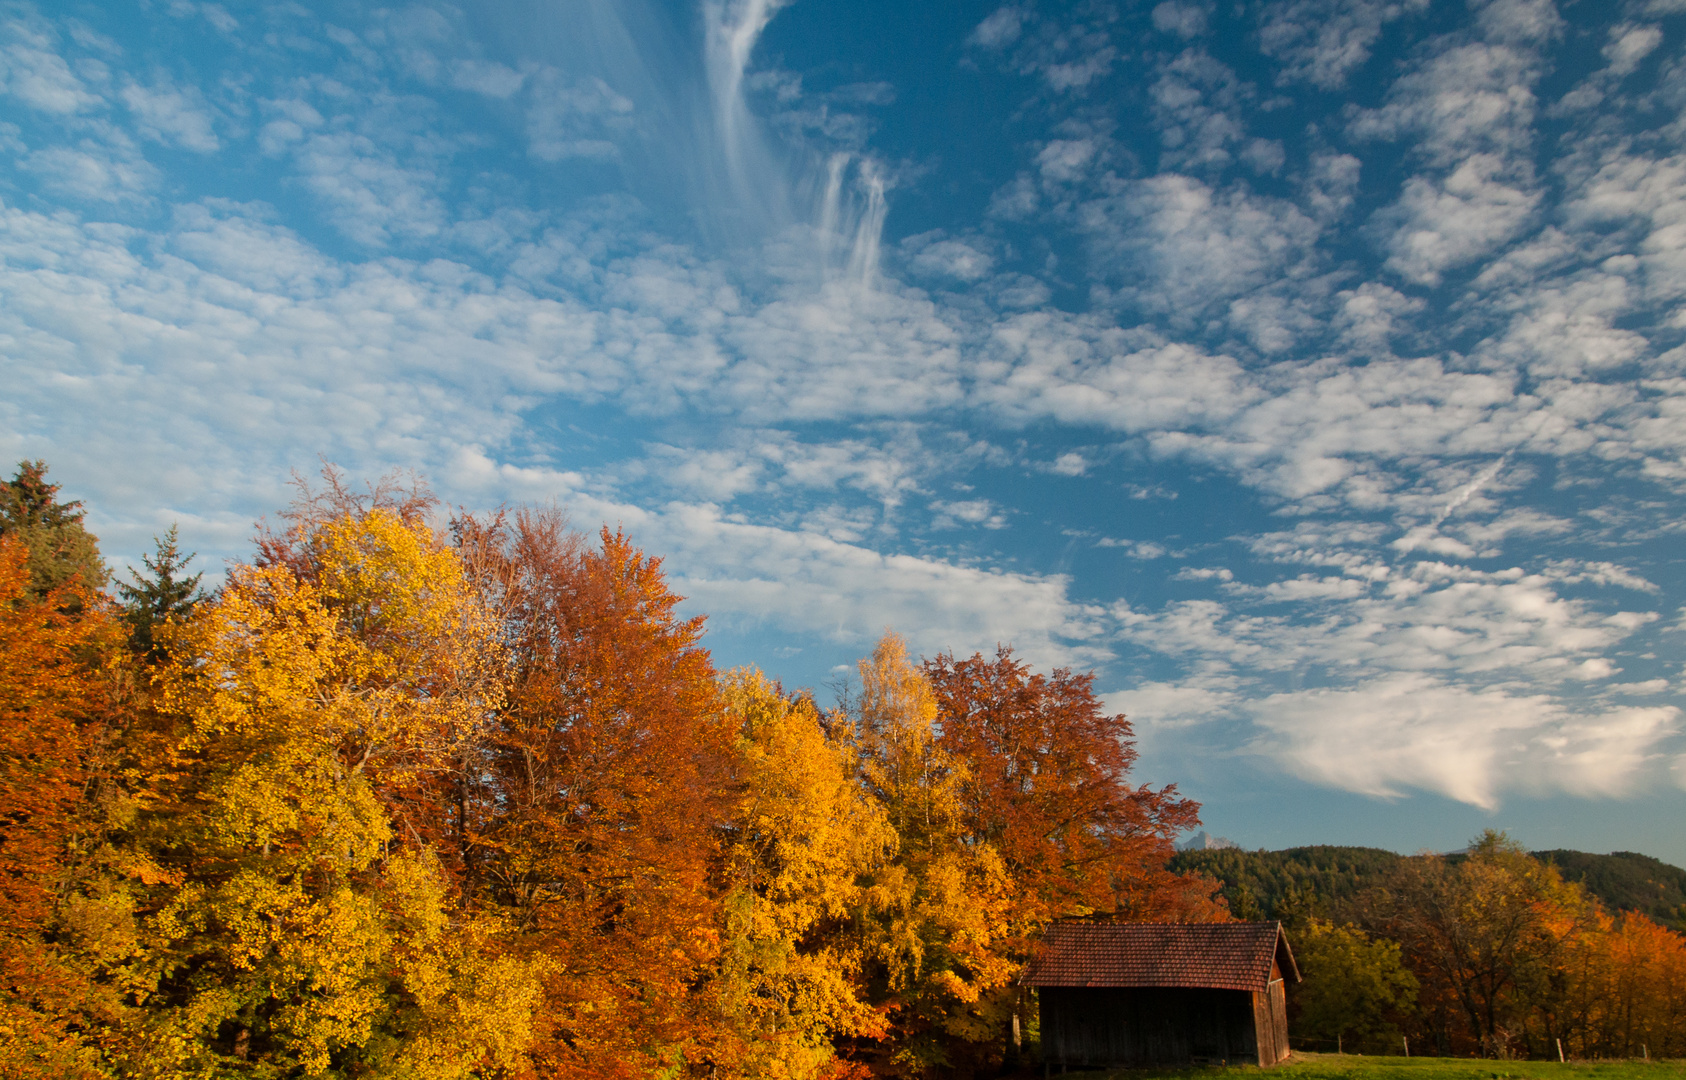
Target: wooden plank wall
1270,1020
1112,1026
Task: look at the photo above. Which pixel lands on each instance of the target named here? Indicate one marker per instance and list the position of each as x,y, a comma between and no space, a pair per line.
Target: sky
1313,372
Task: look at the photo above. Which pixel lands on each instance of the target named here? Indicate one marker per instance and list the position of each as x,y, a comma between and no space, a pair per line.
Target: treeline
1283,882
413,797
1493,951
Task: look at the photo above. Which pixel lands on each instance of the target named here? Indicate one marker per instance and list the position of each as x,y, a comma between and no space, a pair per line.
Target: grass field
1356,1067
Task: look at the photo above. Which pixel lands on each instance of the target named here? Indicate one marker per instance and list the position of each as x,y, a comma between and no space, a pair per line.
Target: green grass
1357,1067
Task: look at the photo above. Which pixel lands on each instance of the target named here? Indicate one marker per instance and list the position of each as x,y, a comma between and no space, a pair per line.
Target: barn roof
1224,956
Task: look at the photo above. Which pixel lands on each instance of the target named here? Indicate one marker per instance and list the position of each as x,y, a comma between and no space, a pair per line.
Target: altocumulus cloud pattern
1312,370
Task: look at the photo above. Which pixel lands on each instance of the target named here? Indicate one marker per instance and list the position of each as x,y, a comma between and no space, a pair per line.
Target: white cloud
1068,54
369,195
999,29
1442,223
1135,549
487,77
1427,617
575,117
810,583
172,114
1186,20
1069,464
932,255
1199,105
1568,329
38,76
954,514
92,171
1629,44
1180,245
1575,571
1320,41
1078,370
1468,99
1414,731
1521,21
1163,710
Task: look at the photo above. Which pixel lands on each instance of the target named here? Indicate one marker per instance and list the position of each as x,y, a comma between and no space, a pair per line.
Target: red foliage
1049,788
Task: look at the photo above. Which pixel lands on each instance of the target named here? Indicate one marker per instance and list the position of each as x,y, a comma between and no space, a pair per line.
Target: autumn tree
611,765
1047,784
1626,994
1486,935
289,915
804,846
53,641
59,546
936,917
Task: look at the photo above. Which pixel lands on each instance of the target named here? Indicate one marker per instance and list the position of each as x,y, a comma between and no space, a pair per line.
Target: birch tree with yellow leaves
805,844
935,917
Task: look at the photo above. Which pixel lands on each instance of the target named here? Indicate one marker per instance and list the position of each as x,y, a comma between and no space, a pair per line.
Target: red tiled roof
1225,956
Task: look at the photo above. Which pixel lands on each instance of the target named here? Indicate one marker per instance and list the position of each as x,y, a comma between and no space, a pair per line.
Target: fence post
1560,1051
1407,1039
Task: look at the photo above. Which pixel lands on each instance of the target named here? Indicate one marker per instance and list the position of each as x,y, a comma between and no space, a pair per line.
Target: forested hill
1628,881
1320,879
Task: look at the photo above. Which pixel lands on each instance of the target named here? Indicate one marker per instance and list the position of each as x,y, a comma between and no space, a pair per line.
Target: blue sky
1312,371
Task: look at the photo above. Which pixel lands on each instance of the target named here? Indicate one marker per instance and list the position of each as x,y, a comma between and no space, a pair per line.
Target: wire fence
1400,1046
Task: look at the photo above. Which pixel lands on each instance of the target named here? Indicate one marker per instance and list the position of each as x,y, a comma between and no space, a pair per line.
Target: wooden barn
1162,993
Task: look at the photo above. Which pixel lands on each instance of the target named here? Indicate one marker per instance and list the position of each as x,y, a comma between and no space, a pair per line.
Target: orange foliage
611,763
50,698
1623,992
1048,786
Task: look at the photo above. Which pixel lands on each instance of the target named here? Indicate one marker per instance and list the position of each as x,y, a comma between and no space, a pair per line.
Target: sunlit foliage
404,802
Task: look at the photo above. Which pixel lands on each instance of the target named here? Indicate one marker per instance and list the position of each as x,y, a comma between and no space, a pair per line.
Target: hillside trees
1509,956
1488,936
1354,988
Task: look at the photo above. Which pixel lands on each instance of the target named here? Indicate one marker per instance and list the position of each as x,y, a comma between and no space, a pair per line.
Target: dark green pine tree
59,546
162,594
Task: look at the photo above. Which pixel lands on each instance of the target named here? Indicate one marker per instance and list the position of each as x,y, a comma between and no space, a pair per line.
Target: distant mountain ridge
1320,878
1203,841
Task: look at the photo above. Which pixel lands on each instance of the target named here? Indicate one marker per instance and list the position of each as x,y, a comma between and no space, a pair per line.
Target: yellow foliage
938,915
806,838
308,929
